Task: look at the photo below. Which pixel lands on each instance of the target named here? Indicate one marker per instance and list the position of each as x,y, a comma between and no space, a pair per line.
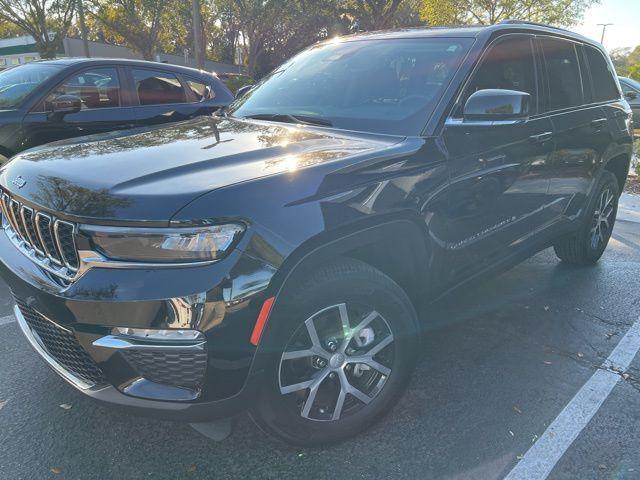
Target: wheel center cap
337,360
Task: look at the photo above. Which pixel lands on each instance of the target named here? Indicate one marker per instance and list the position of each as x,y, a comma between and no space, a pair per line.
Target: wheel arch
398,246
619,165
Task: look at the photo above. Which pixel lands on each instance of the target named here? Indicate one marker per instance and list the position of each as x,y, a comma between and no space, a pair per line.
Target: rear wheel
586,246
346,351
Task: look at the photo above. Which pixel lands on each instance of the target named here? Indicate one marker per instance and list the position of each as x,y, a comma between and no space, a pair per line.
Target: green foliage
47,21
8,29
147,26
627,62
489,12
235,82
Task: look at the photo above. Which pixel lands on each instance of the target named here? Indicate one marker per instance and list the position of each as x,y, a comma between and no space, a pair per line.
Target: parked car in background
53,100
272,257
631,90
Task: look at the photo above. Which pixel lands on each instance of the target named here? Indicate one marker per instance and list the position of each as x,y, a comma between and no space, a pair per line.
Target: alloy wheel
602,219
337,362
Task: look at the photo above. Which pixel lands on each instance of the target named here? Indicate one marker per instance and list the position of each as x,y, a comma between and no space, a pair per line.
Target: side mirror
497,105
65,104
242,90
631,95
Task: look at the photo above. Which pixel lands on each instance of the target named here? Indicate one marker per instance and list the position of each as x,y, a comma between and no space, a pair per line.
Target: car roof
75,61
473,31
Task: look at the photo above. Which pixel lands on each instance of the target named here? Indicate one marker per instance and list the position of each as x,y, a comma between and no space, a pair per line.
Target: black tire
317,300
586,246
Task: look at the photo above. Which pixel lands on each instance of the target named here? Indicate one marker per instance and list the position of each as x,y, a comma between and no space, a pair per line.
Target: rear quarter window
604,85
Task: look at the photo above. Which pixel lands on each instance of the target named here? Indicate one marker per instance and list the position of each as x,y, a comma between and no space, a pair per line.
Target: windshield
632,83
383,86
18,82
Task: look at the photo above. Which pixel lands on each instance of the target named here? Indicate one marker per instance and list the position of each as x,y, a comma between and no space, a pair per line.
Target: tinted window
385,86
157,88
565,87
97,88
199,90
507,65
630,85
17,83
585,76
604,86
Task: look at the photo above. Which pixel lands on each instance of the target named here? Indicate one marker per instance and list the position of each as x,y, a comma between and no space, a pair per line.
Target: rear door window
199,90
565,84
96,88
603,78
157,87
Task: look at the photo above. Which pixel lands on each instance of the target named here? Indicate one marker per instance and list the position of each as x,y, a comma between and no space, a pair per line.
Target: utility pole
83,29
604,29
197,34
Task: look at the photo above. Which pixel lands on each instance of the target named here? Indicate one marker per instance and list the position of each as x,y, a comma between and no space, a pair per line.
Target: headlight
162,245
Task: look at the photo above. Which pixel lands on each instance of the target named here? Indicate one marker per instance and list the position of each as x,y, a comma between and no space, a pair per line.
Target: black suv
52,100
270,258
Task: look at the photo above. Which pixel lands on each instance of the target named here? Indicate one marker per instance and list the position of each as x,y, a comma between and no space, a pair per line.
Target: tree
381,14
269,31
8,30
627,62
135,23
489,12
47,21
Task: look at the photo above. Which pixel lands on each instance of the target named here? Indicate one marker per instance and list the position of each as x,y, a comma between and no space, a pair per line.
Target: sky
624,14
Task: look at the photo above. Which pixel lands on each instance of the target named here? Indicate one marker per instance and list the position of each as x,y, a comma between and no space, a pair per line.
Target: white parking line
6,320
540,459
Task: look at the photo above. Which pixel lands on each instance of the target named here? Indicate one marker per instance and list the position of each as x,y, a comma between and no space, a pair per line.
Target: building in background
19,50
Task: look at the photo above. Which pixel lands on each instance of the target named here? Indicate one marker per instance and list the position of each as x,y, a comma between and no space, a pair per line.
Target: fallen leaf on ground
56,470
65,406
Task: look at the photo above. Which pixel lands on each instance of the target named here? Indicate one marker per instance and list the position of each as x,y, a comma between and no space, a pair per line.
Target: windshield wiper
290,118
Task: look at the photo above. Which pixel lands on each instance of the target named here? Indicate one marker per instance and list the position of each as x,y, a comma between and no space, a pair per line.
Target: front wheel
586,246
344,354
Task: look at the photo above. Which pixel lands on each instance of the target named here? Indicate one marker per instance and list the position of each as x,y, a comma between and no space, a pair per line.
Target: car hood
146,175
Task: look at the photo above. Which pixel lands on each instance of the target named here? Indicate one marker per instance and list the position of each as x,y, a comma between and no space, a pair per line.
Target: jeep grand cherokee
271,258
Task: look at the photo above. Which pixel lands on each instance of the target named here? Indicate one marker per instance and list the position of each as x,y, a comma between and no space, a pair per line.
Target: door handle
599,123
541,137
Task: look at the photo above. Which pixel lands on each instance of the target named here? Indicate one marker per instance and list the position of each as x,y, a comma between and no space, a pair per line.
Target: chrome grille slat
14,208
66,243
48,241
45,230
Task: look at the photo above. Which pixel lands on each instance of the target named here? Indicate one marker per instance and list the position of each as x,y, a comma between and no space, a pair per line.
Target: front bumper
71,328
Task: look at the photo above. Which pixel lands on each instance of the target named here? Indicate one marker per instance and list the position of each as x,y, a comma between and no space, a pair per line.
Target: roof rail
527,22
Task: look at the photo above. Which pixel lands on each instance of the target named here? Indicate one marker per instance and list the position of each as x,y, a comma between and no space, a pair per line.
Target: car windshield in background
18,82
633,83
382,86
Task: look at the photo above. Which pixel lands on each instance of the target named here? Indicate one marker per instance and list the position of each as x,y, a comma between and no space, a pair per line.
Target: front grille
62,345
180,369
49,241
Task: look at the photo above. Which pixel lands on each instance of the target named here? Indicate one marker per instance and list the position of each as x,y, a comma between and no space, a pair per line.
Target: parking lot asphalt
500,362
